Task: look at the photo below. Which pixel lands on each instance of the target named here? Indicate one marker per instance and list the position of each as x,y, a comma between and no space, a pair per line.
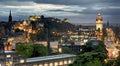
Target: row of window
60,63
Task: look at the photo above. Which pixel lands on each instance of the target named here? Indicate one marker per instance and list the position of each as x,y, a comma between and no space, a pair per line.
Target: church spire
10,17
10,12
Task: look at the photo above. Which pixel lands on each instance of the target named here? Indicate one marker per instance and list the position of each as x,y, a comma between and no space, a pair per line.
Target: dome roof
99,17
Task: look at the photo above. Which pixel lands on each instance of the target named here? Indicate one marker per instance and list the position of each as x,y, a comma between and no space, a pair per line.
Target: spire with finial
99,13
108,23
99,17
10,12
10,17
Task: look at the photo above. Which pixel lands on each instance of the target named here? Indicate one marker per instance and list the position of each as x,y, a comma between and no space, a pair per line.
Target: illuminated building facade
34,18
26,29
87,33
23,25
65,20
10,58
53,60
84,33
99,26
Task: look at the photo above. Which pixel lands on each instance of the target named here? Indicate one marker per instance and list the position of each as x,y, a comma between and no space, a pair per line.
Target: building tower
10,23
99,26
10,17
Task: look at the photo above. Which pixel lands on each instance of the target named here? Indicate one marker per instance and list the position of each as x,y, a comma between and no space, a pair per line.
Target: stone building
12,58
54,60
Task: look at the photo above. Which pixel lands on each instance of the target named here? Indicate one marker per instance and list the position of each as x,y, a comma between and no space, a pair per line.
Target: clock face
99,21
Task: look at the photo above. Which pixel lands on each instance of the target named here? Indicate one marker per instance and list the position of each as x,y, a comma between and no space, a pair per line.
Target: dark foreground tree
66,50
24,49
94,55
89,59
31,50
96,46
39,50
113,62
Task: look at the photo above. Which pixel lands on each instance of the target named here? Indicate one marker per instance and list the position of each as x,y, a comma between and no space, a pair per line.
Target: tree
96,46
42,35
39,50
24,49
94,55
113,62
88,59
33,37
110,63
31,50
94,62
117,62
66,50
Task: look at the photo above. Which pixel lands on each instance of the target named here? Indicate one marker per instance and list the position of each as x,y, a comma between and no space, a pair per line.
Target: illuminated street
110,42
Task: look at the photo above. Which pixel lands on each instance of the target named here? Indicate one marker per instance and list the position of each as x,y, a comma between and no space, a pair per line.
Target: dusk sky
77,11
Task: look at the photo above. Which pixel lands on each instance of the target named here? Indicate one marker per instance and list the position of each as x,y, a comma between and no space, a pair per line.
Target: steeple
107,23
10,23
10,17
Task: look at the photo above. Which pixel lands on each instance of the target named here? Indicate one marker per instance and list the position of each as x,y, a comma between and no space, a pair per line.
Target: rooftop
49,57
9,51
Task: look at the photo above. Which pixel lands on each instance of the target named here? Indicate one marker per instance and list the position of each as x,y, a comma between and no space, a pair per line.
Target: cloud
50,9
78,10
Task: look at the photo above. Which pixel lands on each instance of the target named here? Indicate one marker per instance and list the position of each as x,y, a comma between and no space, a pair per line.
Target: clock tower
99,26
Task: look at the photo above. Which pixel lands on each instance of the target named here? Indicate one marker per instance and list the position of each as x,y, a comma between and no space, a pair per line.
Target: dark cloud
110,9
81,2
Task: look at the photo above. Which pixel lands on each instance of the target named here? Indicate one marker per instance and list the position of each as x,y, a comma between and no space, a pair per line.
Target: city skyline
77,11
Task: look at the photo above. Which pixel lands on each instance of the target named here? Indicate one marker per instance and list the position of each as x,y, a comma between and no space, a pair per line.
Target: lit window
70,61
65,62
8,56
56,63
40,65
61,63
22,61
11,62
60,50
0,65
35,65
51,64
45,64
